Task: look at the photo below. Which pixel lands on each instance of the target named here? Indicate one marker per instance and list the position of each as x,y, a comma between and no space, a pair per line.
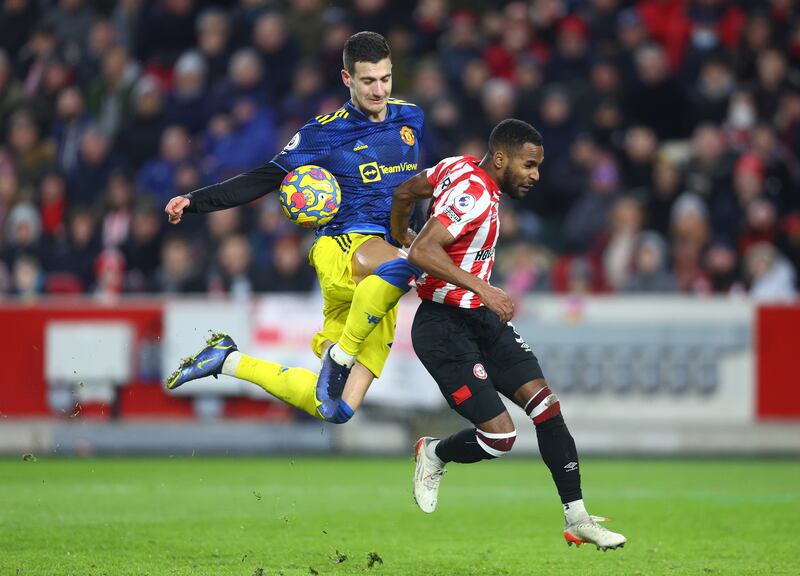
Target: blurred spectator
109,270
32,156
242,140
142,250
157,177
213,43
178,272
101,40
279,52
588,216
304,22
689,232
140,136
165,30
9,194
771,277
656,99
290,271
117,211
10,90
56,76
188,103
568,178
569,64
109,96
376,15
556,121
17,22
638,157
23,230
27,278
76,253
69,126
89,177
722,265
756,37
662,192
125,19
245,80
460,43
34,55
651,266
619,248
771,67
53,203
305,97
711,95
71,21
234,273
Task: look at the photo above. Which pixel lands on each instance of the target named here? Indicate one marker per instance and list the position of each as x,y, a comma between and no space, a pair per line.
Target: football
310,196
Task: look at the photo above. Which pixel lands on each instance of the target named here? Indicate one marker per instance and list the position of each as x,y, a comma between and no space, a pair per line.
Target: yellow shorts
332,257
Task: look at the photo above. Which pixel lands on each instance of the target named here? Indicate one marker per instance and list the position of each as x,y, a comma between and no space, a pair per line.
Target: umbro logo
571,466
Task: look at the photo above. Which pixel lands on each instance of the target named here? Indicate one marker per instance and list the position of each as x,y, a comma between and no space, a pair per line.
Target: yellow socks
373,298
295,386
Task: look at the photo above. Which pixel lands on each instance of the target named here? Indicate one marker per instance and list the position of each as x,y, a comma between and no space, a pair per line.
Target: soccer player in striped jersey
371,145
462,331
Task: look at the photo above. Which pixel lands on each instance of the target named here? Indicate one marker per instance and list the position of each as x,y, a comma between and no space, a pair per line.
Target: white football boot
589,531
427,475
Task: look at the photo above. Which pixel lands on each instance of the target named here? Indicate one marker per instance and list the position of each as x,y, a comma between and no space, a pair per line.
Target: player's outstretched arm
428,253
236,191
403,199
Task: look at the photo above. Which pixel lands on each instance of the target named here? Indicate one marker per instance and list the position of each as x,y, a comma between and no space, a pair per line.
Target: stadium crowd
671,132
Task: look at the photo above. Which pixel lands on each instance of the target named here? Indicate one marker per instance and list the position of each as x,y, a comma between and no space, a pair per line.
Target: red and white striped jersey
465,201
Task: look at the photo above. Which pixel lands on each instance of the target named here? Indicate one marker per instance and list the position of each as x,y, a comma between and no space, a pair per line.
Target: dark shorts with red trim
472,356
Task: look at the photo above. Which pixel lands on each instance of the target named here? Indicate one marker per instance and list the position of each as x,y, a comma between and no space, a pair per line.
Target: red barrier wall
777,347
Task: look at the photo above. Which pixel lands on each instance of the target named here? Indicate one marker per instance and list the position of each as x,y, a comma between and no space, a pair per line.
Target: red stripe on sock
551,411
537,399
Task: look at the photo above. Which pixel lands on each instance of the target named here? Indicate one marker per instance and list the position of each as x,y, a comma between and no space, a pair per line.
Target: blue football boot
330,385
207,362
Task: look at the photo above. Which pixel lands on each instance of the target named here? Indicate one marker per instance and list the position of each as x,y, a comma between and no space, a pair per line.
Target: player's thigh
443,344
371,254
510,361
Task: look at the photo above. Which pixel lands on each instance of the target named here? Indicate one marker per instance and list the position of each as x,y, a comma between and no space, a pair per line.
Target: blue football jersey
369,159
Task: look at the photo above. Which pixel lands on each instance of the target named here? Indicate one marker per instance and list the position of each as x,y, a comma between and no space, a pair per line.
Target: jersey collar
363,117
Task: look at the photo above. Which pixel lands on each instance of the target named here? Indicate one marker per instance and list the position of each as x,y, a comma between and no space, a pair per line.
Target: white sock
575,511
430,452
341,357
231,363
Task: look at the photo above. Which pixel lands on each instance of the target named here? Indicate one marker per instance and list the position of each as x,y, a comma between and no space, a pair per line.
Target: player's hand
498,302
405,237
175,208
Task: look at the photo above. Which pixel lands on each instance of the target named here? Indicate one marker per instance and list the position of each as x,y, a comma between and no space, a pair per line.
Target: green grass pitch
271,516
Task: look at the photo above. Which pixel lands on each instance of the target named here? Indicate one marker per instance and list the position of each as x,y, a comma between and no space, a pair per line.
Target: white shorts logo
293,143
464,202
479,371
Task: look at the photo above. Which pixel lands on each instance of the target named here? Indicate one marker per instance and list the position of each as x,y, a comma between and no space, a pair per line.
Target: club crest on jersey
293,143
370,172
407,134
479,371
464,203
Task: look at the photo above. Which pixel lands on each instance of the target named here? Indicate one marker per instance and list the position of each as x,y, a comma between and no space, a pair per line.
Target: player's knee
398,272
543,406
341,413
496,444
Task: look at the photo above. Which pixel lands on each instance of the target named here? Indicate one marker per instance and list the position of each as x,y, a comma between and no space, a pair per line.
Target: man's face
521,170
370,86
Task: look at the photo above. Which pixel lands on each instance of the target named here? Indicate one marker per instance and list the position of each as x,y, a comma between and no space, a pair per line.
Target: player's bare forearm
403,199
428,253
236,191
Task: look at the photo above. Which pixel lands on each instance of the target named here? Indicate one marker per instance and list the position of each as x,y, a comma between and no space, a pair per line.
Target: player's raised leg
559,453
382,275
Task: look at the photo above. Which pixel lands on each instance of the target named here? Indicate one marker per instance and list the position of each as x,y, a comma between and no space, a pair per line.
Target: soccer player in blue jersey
371,145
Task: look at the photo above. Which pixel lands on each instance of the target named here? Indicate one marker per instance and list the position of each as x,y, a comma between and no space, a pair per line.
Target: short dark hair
364,47
511,134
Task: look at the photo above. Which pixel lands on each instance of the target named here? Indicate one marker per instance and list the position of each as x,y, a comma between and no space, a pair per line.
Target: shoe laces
432,479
